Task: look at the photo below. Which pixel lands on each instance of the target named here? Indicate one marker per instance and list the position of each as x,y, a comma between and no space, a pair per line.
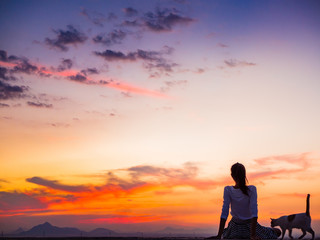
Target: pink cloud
296,163
77,76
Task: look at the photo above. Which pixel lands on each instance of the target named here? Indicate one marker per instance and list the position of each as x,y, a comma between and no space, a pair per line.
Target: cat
300,220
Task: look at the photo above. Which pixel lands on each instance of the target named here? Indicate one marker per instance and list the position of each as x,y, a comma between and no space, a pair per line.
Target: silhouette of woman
244,210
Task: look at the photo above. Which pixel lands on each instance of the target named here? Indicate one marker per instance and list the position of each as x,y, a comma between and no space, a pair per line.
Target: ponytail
238,173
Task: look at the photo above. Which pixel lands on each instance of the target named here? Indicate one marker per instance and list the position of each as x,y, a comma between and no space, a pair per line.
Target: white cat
300,220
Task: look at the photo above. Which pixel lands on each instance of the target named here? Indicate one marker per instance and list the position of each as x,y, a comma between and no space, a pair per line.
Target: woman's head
238,173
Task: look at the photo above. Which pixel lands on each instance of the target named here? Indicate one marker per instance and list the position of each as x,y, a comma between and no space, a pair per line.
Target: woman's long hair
238,173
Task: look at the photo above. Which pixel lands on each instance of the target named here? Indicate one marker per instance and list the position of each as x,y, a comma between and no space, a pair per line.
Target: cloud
130,12
126,185
158,21
78,78
90,71
56,185
22,65
189,171
132,23
4,57
8,91
114,37
171,84
149,181
139,179
302,160
25,67
111,55
3,181
121,86
3,105
64,38
236,63
154,61
19,201
4,74
39,104
65,64
64,125
164,20
13,64
285,165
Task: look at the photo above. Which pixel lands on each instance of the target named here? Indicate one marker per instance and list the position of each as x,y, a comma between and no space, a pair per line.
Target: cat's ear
272,219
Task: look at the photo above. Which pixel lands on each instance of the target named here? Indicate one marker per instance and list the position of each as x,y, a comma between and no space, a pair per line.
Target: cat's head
273,222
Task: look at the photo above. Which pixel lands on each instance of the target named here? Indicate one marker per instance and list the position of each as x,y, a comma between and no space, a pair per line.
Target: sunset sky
129,114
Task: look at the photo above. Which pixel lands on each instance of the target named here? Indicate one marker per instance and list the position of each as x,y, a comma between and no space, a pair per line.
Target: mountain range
48,230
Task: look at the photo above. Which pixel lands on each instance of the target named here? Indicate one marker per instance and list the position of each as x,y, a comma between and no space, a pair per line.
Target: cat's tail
308,206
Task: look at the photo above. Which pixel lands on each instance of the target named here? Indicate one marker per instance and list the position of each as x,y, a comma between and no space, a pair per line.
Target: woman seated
244,210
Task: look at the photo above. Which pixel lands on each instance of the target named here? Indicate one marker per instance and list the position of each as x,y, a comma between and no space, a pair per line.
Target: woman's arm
221,228
253,228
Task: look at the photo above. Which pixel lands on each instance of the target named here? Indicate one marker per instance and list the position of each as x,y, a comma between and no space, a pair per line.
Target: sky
129,114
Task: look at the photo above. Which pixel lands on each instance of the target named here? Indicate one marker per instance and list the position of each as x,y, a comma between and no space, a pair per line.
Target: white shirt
242,206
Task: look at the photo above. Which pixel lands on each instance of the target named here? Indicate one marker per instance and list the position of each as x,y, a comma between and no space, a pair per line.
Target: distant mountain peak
48,230
47,224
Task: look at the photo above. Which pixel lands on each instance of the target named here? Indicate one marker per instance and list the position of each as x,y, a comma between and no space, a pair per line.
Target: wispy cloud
222,45
54,184
236,63
3,105
270,167
39,104
172,84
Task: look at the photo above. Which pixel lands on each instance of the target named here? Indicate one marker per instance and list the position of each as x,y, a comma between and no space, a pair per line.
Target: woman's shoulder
252,188
228,188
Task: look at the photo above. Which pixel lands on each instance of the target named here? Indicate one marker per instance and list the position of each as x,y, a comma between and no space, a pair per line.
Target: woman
244,210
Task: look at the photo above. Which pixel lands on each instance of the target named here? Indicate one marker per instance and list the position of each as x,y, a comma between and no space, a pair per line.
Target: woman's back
242,206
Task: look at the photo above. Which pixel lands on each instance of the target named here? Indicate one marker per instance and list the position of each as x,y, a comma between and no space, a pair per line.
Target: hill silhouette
47,230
